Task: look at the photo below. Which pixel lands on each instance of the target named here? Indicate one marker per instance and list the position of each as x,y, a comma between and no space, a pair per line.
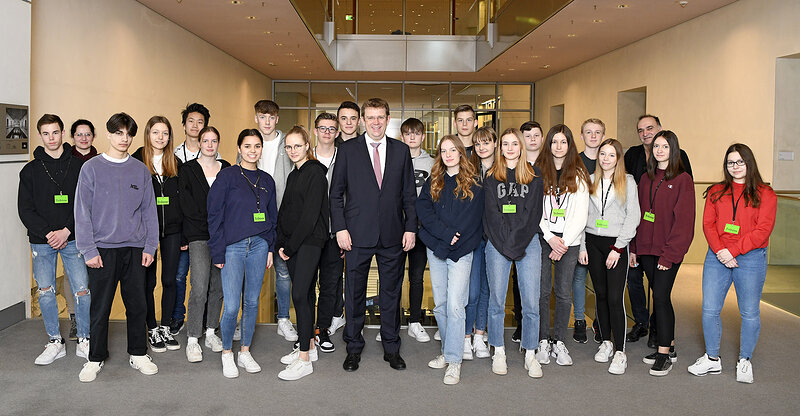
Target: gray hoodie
622,219
422,169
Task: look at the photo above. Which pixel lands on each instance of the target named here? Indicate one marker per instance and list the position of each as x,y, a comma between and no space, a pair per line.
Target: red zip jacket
671,234
755,224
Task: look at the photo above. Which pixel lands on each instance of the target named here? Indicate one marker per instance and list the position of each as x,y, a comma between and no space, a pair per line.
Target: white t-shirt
157,164
270,155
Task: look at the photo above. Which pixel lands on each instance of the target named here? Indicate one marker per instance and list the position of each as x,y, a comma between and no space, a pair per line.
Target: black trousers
517,300
331,267
170,249
417,260
390,270
609,289
637,292
303,271
123,265
661,283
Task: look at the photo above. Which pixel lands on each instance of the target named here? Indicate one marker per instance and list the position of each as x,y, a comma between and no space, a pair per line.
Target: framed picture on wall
15,129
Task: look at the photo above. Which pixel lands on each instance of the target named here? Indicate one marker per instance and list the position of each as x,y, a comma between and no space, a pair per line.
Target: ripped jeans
44,272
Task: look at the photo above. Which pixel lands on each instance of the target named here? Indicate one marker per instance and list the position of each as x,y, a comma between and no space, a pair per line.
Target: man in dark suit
372,212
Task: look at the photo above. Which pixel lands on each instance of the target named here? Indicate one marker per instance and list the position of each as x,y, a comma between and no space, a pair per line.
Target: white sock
191,340
209,331
500,350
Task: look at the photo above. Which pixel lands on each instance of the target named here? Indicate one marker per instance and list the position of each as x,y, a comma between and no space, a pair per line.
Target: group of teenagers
484,208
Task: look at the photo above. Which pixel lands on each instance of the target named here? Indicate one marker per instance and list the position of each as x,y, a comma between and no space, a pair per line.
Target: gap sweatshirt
511,233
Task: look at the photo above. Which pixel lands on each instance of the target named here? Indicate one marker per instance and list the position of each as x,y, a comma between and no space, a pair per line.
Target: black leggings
303,271
170,250
662,282
609,289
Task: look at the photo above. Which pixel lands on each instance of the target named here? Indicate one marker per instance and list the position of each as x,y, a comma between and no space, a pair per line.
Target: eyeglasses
732,163
84,135
296,147
327,129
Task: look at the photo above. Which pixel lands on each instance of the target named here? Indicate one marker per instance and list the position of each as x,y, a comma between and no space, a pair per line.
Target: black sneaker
652,339
517,335
175,327
596,329
324,342
638,331
169,341
579,335
661,365
73,328
650,359
155,340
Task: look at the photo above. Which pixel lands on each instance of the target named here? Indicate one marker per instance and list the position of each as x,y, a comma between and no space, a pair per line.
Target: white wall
15,32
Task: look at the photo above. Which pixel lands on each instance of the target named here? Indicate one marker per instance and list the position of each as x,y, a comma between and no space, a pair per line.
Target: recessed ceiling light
523,62
267,32
534,56
597,20
279,44
236,2
551,47
545,66
295,60
251,18
271,63
290,54
502,75
622,6
511,69
571,35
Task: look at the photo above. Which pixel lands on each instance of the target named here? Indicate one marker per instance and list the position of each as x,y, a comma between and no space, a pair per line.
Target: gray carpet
198,389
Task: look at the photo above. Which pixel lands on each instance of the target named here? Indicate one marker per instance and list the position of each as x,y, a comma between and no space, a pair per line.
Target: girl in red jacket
666,198
738,219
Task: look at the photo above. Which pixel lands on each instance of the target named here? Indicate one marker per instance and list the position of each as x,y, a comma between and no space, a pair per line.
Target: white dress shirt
381,152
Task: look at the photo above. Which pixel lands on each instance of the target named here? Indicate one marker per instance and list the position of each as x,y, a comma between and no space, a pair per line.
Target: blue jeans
44,272
180,287
529,270
245,262
748,279
283,287
579,291
450,286
478,303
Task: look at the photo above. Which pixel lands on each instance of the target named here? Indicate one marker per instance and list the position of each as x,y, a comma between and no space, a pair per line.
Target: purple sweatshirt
114,207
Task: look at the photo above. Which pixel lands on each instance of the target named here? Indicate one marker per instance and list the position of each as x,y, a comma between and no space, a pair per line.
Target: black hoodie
36,200
194,198
305,210
170,217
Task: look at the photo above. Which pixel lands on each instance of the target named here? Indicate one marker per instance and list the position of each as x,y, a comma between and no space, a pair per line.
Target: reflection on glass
290,118
428,96
331,94
514,97
379,17
470,16
389,92
344,15
437,124
479,96
291,94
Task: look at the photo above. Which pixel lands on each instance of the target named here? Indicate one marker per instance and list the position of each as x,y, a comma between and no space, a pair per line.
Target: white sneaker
378,337
229,369
604,352
416,331
561,354
437,336
89,371
486,337
705,365
532,365
213,342
82,350
336,323
438,362
453,374
744,371
296,370
543,352
467,350
286,330
479,346
237,333
499,365
618,364
246,361
144,364
54,350
193,352
287,359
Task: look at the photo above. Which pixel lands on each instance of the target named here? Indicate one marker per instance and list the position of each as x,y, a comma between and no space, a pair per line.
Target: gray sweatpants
206,284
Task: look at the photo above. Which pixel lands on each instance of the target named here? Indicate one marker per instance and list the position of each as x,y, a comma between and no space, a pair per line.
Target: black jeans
417,260
123,265
517,300
331,267
638,296
662,282
170,250
609,289
303,271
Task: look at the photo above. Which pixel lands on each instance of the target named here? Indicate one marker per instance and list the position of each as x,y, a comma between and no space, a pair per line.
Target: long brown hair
482,134
619,179
524,172
572,169
465,178
752,178
674,163
169,166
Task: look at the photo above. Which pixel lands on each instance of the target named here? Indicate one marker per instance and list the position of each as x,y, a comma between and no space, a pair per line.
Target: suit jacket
371,214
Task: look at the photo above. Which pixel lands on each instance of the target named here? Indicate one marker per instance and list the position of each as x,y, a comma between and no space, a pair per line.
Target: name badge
601,223
61,199
649,216
509,209
559,212
730,228
162,200
259,217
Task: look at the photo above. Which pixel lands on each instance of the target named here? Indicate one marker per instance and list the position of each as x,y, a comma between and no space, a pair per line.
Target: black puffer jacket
170,216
